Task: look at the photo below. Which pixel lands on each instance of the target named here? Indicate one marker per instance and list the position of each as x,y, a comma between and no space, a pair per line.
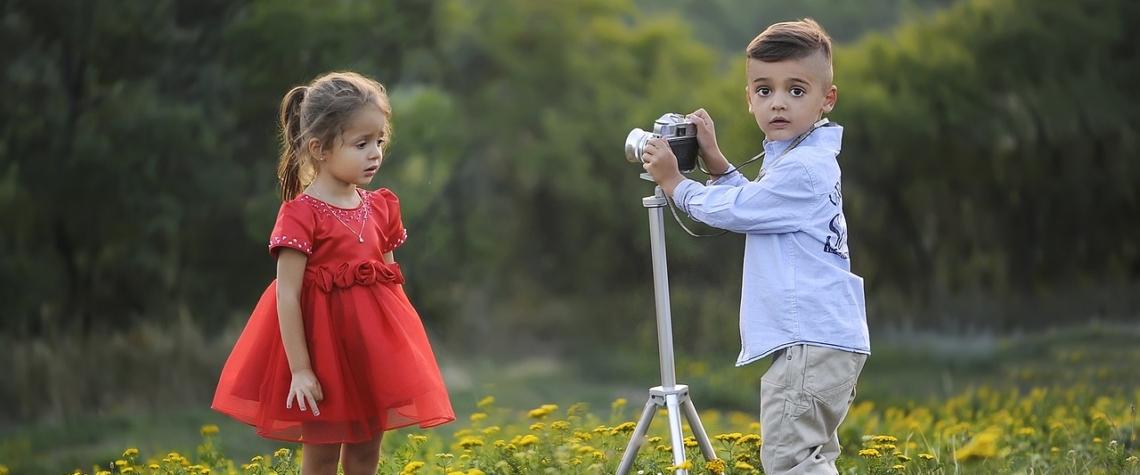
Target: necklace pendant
361,238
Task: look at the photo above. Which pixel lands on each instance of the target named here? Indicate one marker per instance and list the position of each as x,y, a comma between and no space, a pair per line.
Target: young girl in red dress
334,354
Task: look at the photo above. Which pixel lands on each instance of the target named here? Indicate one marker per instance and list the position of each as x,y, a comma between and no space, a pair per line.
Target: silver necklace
359,235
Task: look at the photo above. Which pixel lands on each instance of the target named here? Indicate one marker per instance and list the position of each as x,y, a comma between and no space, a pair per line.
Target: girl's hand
658,159
305,389
706,139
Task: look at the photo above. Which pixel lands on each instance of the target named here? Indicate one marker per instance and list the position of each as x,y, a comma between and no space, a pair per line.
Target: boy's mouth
779,122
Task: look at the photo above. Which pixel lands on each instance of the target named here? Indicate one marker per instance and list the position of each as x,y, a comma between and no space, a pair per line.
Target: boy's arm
779,203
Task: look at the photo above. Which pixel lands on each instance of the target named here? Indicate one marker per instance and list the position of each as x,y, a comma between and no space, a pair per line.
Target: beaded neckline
358,214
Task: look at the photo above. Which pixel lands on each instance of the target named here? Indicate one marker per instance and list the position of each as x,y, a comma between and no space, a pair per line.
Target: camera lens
635,144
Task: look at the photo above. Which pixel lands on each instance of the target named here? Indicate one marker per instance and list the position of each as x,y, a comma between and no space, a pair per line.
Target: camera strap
799,139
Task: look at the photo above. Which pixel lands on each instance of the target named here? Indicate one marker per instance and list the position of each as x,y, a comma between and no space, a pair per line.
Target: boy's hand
706,138
658,159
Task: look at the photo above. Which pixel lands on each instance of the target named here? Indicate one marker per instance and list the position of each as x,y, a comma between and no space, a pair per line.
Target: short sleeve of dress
294,228
394,231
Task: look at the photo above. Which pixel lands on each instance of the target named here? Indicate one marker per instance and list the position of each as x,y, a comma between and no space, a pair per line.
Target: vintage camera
677,130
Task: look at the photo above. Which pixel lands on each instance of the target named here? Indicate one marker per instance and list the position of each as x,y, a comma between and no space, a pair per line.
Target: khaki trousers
804,396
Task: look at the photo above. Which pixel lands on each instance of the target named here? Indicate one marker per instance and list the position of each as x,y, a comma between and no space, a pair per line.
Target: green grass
915,370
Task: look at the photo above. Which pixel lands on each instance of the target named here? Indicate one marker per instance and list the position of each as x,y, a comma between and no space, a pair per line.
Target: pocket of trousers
831,374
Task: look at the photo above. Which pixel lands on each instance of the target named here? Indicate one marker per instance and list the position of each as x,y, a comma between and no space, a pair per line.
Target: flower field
1073,430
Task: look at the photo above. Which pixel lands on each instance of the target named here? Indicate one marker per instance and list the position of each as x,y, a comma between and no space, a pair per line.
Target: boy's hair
322,110
790,40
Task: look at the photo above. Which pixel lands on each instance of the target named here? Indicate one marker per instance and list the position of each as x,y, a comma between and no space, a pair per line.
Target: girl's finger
313,402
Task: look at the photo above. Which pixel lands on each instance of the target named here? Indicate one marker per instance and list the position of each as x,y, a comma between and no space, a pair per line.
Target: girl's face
356,155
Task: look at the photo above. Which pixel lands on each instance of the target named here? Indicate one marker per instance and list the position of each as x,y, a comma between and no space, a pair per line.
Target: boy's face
787,97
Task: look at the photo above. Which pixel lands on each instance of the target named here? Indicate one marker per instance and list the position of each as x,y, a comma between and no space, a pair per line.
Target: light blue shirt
797,287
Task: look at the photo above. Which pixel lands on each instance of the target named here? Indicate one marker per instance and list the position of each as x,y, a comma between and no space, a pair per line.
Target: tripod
674,397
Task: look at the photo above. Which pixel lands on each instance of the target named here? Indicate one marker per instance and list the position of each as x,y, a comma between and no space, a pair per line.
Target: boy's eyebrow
794,79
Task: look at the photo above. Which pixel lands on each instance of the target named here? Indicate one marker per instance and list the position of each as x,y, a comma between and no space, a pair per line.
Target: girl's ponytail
289,165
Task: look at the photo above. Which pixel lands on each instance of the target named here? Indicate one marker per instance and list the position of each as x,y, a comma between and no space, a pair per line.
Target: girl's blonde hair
322,110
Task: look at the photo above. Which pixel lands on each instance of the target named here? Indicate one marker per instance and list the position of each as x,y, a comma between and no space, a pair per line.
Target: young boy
800,303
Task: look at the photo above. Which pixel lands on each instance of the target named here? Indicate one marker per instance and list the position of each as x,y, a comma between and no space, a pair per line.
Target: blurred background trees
989,159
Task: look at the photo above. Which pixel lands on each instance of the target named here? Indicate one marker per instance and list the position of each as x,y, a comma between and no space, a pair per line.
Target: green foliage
988,157
988,147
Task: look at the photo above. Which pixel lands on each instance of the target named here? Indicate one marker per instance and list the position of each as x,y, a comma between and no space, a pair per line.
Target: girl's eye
798,92
763,90
379,142
362,145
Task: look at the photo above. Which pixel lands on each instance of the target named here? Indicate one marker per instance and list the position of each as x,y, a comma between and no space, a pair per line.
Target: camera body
677,130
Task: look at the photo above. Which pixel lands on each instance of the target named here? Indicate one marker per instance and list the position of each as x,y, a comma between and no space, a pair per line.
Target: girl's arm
304,388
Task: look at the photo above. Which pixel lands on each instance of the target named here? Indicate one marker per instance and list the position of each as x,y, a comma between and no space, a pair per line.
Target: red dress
366,342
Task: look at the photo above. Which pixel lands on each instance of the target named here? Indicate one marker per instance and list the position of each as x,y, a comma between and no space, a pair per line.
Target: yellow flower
475,471
686,465
1096,440
1055,449
880,439
690,442
926,456
478,416
618,403
208,430
485,402
716,466
902,457
282,453
538,427
982,446
623,427
898,467
560,425
491,430
131,452
412,467
749,439
729,437
870,453
470,442
529,439
743,466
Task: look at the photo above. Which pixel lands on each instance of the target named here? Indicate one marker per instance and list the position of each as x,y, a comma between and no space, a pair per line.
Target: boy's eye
763,90
798,92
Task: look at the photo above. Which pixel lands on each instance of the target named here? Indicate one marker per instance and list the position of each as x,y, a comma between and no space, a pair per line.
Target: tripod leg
638,437
672,404
698,430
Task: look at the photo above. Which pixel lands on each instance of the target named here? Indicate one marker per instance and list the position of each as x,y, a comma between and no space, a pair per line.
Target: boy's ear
830,98
748,99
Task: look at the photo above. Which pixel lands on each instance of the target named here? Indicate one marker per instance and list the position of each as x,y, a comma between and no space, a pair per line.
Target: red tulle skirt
368,350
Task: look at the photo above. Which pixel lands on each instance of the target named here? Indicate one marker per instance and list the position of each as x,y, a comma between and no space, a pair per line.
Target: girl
334,354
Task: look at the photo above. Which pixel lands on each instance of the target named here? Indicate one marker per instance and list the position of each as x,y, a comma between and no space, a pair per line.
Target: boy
800,302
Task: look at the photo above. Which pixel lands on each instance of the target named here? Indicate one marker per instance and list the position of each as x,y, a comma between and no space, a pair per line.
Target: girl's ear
315,149
830,98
